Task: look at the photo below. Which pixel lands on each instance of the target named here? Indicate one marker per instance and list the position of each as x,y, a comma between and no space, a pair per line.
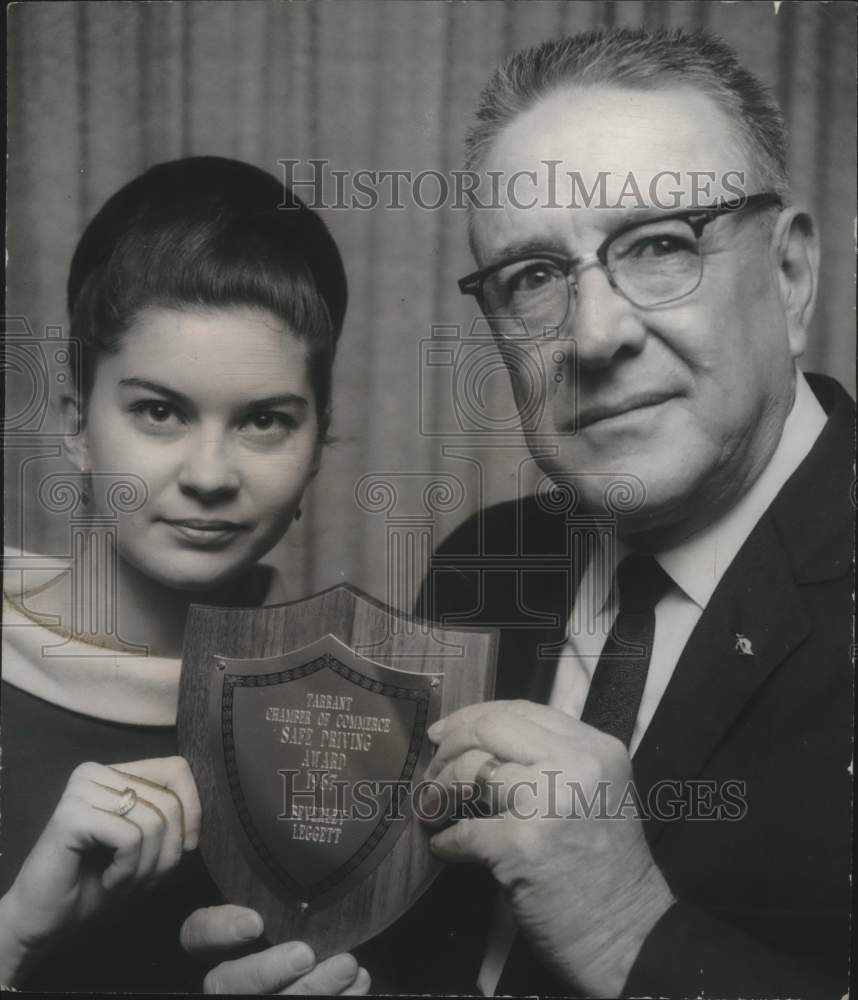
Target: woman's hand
115,828
212,933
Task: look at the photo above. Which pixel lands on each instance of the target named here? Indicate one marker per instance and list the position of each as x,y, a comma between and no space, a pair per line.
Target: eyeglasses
650,263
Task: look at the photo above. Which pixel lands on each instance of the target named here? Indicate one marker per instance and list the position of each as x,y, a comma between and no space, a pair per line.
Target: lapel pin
743,645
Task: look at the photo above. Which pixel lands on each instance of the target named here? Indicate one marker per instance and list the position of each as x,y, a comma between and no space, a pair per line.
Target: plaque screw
435,682
221,664
303,906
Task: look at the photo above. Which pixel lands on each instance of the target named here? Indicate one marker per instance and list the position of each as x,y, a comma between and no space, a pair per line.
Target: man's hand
582,882
285,968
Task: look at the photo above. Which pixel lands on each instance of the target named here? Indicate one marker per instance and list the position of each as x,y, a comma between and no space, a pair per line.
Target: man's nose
209,470
604,325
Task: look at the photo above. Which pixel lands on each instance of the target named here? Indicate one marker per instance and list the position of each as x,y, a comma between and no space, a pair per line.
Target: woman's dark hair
208,232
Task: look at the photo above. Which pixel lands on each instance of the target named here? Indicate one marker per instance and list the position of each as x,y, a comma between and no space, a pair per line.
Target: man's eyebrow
532,246
620,220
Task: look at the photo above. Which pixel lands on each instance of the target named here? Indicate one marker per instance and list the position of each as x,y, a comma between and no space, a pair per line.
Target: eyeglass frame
697,219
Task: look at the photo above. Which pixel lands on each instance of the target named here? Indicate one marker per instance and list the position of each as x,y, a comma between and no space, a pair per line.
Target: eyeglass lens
652,264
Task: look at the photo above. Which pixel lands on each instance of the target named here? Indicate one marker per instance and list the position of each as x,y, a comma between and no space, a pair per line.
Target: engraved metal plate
318,750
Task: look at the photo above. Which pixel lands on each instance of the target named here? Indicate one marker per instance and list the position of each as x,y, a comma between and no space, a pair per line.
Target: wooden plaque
305,727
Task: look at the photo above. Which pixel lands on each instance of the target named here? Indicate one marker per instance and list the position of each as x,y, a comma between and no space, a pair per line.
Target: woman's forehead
220,353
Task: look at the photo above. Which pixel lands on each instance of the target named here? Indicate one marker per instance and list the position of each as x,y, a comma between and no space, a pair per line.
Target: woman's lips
205,532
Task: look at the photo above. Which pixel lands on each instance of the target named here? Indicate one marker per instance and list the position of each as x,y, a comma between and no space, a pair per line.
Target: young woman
207,302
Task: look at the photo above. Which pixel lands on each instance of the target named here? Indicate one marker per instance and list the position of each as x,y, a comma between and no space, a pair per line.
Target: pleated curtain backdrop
99,91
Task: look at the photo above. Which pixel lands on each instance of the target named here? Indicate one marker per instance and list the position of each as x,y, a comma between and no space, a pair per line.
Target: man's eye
662,246
532,278
156,413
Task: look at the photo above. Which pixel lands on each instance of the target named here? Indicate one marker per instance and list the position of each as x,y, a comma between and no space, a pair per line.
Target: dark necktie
612,705
614,697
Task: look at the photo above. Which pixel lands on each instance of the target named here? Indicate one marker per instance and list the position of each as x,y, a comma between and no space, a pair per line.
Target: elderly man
668,335
667,766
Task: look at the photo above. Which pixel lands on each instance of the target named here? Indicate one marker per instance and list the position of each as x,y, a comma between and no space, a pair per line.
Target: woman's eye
156,413
269,424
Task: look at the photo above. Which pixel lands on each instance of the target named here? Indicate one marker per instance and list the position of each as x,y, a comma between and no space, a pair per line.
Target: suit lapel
756,616
754,620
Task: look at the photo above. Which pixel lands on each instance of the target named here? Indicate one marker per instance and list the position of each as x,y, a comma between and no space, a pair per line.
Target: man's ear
796,245
74,432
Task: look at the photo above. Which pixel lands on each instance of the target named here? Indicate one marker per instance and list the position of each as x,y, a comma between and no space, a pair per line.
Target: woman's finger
159,813
86,825
360,987
329,978
126,857
156,809
78,824
214,929
156,832
266,971
173,775
107,791
127,807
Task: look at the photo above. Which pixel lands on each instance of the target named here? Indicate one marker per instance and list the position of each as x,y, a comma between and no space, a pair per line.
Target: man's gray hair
644,60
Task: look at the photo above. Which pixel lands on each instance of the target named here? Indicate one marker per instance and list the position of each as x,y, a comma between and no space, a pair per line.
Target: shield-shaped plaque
305,728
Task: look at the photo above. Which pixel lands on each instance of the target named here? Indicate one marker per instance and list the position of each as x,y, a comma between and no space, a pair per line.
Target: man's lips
597,412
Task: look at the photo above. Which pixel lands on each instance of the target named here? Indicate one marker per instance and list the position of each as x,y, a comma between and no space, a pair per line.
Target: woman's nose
208,470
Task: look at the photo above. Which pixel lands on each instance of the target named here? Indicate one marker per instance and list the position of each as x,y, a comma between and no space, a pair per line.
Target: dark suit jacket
764,899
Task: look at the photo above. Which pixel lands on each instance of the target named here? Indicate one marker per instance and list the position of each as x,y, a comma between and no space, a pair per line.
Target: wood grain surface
465,657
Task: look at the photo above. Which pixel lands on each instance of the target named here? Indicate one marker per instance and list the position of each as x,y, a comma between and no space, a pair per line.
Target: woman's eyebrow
277,399
162,390
281,399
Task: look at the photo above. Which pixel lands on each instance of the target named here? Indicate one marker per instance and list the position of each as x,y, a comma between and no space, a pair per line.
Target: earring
297,516
86,488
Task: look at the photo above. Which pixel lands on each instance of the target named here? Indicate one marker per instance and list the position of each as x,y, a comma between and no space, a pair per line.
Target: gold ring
484,777
127,801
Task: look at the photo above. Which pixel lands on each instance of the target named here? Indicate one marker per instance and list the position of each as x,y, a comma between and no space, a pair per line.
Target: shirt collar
697,564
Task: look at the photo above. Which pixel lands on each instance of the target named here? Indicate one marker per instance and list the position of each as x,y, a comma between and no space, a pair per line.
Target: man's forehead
603,128
599,152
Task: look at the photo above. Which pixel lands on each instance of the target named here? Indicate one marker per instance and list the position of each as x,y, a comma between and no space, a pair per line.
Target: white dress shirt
695,566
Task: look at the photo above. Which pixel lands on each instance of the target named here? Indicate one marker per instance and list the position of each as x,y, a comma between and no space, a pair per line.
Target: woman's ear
796,244
317,460
74,432
321,440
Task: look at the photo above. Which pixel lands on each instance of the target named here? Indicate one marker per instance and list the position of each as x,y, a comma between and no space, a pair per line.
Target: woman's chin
193,576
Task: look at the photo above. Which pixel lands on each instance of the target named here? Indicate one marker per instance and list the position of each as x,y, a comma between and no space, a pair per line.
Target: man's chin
629,488
618,486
